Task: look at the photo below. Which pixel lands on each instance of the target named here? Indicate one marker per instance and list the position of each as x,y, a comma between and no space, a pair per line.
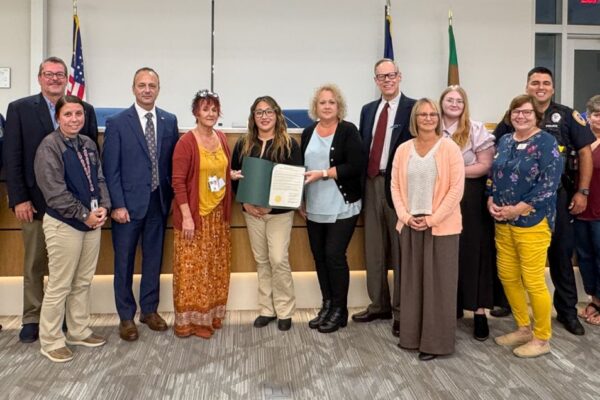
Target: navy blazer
28,121
127,165
400,133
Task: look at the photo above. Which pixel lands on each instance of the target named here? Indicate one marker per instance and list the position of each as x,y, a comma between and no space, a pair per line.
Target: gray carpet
241,362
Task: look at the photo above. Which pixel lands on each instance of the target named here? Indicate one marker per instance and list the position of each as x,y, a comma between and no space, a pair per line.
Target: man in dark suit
384,125
138,149
28,121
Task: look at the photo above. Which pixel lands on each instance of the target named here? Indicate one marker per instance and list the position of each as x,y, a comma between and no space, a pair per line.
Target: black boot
336,319
481,330
321,315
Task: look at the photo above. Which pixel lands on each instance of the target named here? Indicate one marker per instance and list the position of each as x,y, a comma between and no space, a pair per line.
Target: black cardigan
346,155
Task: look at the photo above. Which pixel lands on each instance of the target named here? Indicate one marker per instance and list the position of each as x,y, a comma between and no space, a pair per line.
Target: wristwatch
325,176
585,192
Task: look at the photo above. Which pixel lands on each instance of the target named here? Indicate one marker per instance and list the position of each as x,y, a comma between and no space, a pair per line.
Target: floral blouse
527,171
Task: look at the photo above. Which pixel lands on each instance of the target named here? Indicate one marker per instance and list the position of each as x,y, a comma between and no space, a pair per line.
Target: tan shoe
128,330
94,340
154,321
64,354
532,349
515,338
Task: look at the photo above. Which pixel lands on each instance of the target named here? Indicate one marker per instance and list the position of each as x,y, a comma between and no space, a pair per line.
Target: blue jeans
587,243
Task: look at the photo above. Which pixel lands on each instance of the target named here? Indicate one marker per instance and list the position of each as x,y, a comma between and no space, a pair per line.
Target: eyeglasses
268,112
52,75
207,93
390,76
525,113
458,102
428,115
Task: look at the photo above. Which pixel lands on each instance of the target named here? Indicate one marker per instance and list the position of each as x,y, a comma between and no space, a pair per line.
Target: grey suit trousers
382,248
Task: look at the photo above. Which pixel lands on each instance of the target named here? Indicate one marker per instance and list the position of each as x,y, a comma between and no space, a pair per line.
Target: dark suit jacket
400,133
127,165
28,121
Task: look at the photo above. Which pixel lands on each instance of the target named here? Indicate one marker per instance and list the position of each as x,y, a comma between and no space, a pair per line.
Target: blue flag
388,50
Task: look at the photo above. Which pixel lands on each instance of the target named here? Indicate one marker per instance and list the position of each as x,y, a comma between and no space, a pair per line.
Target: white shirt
421,173
385,152
143,120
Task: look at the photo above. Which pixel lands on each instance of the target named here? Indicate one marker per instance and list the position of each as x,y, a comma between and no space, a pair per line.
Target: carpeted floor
241,362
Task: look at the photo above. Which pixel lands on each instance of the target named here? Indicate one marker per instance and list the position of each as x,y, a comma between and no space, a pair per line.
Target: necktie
377,147
151,141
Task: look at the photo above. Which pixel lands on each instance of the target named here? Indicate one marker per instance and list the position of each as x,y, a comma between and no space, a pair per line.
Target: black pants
559,257
328,243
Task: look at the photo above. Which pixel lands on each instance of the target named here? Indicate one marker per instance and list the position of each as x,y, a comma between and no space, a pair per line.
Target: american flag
76,85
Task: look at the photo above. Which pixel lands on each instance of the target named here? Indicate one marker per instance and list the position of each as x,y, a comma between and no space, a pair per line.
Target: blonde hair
463,129
414,130
339,99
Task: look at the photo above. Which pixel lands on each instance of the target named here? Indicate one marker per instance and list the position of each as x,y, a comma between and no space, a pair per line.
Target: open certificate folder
267,184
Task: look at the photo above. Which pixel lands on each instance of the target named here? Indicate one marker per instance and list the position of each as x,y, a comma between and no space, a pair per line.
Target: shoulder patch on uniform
577,117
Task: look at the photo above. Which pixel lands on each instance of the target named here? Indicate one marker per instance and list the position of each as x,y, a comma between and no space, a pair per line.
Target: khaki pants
270,240
72,262
35,266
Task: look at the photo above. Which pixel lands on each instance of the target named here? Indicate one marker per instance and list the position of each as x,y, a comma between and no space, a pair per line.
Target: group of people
445,204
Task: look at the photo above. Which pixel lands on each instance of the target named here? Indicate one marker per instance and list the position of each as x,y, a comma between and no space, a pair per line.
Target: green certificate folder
270,185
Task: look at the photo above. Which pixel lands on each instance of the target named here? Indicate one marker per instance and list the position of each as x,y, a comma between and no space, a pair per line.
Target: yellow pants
522,254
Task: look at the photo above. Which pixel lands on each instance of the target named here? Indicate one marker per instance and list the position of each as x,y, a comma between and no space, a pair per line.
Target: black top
570,131
295,158
347,155
28,121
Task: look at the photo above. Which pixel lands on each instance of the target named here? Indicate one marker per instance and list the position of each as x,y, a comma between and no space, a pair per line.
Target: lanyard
84,159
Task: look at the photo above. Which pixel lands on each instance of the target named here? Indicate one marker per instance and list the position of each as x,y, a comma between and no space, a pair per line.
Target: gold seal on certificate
267,184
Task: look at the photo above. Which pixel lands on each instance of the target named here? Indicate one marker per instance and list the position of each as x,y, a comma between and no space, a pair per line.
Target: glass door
583,69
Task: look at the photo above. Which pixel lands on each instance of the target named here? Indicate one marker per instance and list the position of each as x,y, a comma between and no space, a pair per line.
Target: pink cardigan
446,218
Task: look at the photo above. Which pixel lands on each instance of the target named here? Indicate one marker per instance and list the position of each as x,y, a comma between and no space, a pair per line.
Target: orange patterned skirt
201,268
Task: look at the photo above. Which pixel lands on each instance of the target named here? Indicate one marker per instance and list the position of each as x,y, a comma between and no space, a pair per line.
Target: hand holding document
267,184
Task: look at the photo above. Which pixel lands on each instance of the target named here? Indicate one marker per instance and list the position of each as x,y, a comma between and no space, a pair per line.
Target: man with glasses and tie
138,150
28,121
574,138
384,125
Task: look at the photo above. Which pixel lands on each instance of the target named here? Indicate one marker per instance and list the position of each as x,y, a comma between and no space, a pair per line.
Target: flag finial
450,17
74,7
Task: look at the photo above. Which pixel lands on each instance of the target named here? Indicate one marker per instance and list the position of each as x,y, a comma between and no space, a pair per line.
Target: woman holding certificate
334,159
201,214
269,229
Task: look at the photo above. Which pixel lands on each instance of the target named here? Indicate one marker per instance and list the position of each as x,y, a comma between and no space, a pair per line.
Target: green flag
453,78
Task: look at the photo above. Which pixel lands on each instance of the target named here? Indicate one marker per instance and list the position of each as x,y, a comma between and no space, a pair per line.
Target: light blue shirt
52,109
324,202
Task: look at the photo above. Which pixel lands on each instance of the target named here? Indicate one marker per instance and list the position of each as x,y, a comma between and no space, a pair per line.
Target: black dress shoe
367,316
572,325
336,319
29,333
261,321
284,324
481,331
500,312
321,315
426,356
396,328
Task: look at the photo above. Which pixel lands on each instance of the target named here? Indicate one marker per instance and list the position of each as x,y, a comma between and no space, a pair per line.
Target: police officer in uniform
574,139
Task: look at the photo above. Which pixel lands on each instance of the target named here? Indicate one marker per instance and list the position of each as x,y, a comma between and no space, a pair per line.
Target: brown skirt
428,283
201,268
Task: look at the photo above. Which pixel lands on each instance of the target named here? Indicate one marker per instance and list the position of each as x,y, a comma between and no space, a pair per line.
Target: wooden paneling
11,243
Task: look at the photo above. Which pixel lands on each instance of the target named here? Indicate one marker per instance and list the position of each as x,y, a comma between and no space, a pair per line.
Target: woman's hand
236,175
417,223
302,210
255,211
495,210
97,218
187,228
312,176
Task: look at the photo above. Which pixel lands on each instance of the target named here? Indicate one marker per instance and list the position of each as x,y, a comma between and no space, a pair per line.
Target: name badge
94,204
215,183
521,146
